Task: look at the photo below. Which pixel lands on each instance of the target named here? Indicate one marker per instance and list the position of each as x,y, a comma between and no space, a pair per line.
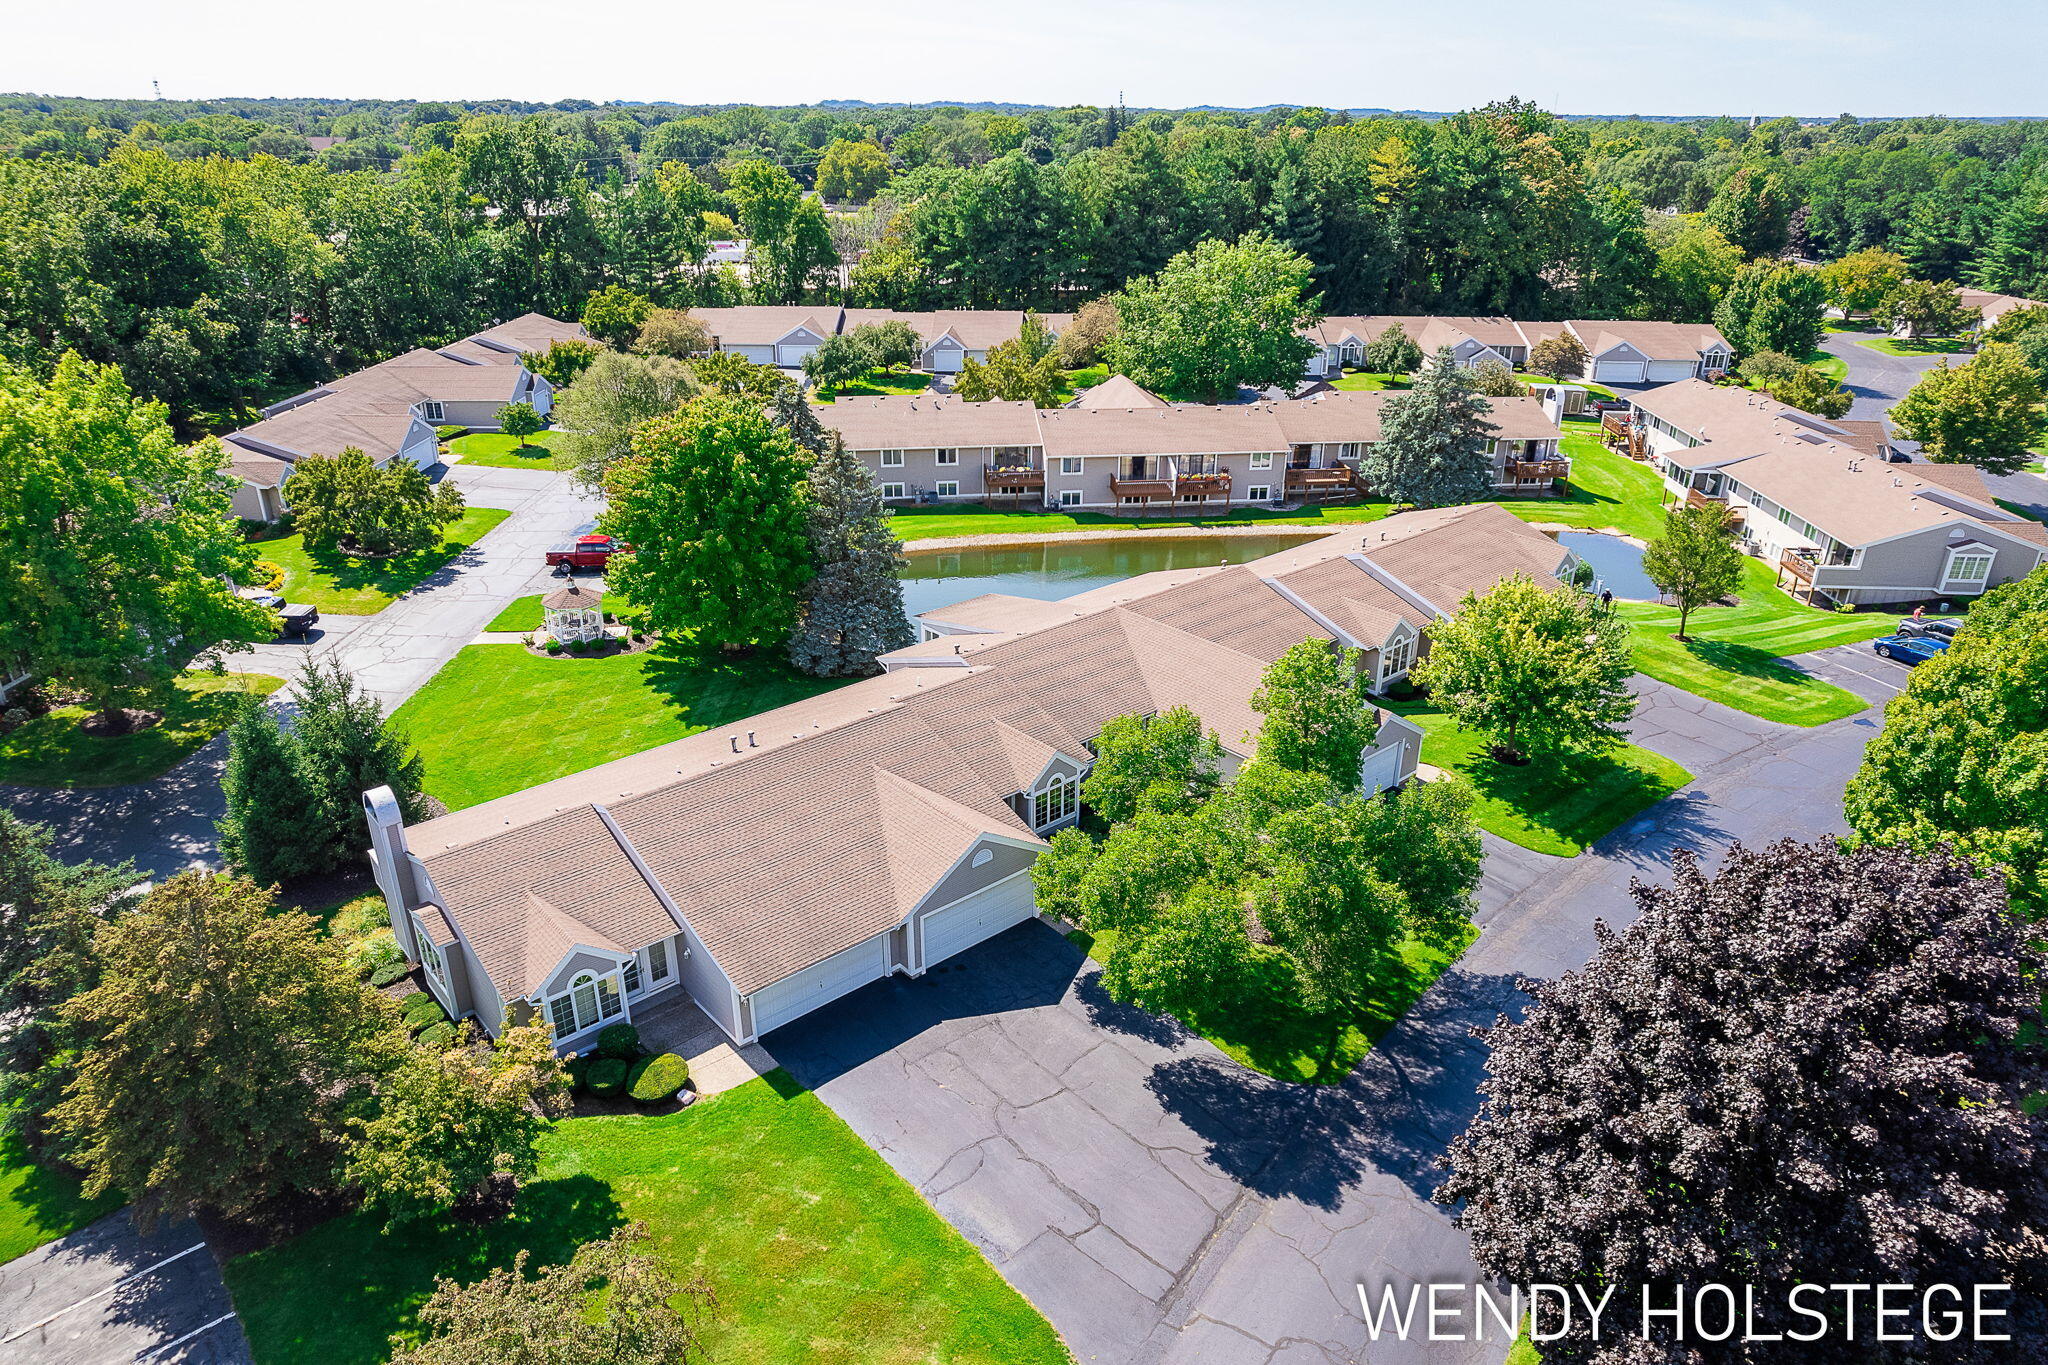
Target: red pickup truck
589,552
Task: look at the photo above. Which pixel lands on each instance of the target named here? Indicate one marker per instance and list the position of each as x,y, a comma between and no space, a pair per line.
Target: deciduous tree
1496,379
711,500
852,172
448,1121
232,1045
1221,316
1086,340
119,545
1317,719
853,605
614,315
1922,308
1985,412
519,421
1802,1068
672,332
1166,761
1859,281
1543,672
612,1304
1393,352
1695,563
1024,369
345,502
563,362
1963,753
1771,306
609,403
1435,442
1562,356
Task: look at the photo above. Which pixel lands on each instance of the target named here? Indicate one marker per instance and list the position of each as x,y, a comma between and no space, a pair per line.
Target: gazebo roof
572,597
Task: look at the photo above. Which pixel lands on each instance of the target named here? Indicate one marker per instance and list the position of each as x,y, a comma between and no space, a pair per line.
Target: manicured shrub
606,1077
422,1017
439,1036
412,1002
618,1040
379,949
578,1071
655,1079
390,973
269,575
449,433
553,646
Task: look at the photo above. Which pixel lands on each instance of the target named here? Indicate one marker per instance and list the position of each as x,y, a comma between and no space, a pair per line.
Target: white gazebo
574,614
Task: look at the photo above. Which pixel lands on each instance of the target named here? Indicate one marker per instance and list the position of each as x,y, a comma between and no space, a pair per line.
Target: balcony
1205,485
1538,469
1800,564
1147,487
1012,478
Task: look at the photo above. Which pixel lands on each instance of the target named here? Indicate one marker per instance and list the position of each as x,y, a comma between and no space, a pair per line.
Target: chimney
391,862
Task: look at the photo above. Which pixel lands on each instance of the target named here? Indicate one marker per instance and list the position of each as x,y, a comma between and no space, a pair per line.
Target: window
430,956
608,997
1056,803
945,457
562,1013
1397,657
949,488
1070,497
892,459
657,959
631,973
431,410
1070,464
892,490
1259,492
1262,459
1969,567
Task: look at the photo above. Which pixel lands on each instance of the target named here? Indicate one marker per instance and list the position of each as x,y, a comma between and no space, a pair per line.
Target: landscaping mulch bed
610,650
589,1106
125,721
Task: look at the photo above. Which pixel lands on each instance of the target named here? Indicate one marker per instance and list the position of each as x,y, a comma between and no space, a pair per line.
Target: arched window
589,1001
1057,802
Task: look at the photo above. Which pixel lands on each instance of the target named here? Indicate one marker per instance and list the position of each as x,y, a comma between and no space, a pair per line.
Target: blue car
1909,649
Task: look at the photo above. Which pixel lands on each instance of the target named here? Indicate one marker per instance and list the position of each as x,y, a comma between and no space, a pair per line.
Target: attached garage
944,358
1382,768
1619,371
1671,371
953,929
794,353
819,984
759,355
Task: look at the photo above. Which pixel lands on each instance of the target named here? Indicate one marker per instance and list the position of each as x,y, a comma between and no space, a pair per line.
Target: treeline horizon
221,261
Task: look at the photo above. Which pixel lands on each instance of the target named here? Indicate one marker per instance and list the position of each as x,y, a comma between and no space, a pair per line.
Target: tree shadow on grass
396,576
53,1198
1746,661
337,1294
713,688
1573,798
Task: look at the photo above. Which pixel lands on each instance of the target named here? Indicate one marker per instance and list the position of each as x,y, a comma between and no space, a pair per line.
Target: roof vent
1898,482
751,744
735,741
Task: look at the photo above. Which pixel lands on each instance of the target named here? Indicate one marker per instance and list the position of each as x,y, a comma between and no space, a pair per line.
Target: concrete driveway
167,824
108,1293
1160,1203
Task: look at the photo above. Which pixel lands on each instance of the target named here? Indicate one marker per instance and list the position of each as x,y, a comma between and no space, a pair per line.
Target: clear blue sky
1577,56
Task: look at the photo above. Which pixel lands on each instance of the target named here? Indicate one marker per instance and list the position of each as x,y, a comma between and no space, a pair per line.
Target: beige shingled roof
845,809
531,332
763,326
1117,391
1342,416
1657,340
925,422
1194,429
995,611
329,425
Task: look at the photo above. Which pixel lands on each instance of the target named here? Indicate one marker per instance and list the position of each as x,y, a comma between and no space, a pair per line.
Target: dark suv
1940,627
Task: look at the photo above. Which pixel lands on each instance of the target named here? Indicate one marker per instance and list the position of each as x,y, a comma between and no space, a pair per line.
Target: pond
939,578
1616,562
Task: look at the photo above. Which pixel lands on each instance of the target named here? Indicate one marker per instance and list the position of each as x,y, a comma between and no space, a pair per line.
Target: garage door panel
794,355
956,928
820,984
1618,372
1670,371
1382,769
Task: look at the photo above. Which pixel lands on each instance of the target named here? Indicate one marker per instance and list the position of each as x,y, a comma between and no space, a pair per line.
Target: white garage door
759,355
792,355
946,359
1670,371
819,984
980,916
1618,372
1381,769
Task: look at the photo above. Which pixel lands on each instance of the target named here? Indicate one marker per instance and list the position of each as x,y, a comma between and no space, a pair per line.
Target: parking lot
109,1293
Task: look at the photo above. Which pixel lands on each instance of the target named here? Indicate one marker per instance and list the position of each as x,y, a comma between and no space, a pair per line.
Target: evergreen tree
345,749
267,833
2015,255
1292,214
853,605
791,412
1434,441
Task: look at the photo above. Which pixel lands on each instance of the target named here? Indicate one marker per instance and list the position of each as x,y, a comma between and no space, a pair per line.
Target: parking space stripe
89,1298
156,1351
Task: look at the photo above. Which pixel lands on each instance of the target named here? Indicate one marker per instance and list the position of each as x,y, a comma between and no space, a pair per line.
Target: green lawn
522,613
1917,347
51,751
1607,491
497,719
1833,366
1274,1035
1358,381
1073,381
877,384
818,1252
1732,657
1552,806
499,451
38,1204
336,582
